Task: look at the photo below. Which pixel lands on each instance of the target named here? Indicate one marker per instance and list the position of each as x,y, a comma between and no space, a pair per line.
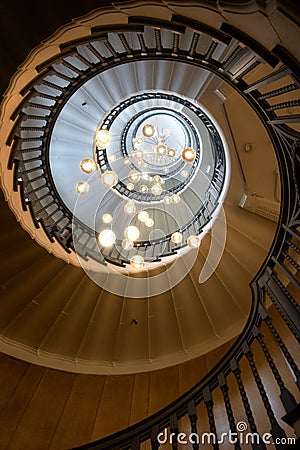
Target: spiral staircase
55,314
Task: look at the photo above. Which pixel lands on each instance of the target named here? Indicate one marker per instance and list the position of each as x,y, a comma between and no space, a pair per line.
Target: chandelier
148,169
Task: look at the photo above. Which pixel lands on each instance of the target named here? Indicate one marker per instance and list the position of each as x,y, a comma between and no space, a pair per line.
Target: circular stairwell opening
120,83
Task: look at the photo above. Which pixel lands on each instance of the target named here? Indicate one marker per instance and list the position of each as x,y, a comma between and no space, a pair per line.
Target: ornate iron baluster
237,373
276,430
192,411
286,397
224,388
211,418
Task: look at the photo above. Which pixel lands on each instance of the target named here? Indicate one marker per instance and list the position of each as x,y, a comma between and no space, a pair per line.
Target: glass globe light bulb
148,130
167,200
188,155
130,186
103,137
139,154
149,222
107,238
109,178
143,216
126,161
171,152
134,176
132,233
161,149
137,262
143,188
193,241
176,237
156,189
175,198
87,165
157,179
82,187
127,244
106,218
130,208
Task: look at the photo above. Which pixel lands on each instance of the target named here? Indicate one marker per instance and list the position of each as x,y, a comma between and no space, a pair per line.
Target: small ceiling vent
257,205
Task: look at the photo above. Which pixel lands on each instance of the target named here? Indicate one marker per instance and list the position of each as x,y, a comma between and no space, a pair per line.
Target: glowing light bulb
134,176
149,222
167,200
126,161
109,178
140,140
106,218
127,244
188,155
171,152
130,186
184,173
166,170
132,233
130,208
175,198
176,237
143,216
148,130
143,188
87,165
139,154
193,241
82,187
157,179
103,137
137,262
107,238
161,149
156,189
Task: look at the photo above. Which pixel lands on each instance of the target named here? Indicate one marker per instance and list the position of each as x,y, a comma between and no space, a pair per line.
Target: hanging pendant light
143,216
87,165
137,262
127,244
148,130
193,241
176,237
156,189
106,218
103,137
109,178
134,176
188,155
107,238
149,222
175,198
132,233
82,187
130,208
